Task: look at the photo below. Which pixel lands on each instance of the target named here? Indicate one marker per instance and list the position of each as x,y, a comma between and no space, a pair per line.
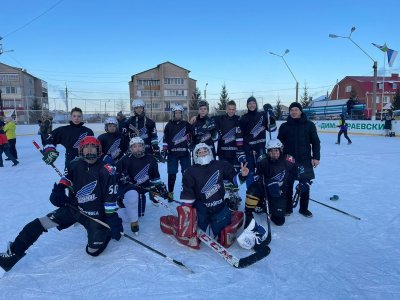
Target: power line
34,19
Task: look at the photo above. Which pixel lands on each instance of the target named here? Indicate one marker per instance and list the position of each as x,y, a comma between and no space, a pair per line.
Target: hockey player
94,186
139,125
111,141
203,197
69,136
5,147
254,125
271,181
45,126
230,140
138,175
176,140
203,127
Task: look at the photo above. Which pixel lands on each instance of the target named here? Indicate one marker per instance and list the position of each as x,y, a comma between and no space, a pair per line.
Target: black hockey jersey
204,131
95,186
137,173
112,144
69,136
205,183
230,138
253,125
177,136
143,127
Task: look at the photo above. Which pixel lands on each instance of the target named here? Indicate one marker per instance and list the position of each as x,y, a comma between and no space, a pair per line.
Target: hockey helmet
138,152
85,142
110,120
203,159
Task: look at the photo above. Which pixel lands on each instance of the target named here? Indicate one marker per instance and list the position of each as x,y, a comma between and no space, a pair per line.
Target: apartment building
20,91
162,87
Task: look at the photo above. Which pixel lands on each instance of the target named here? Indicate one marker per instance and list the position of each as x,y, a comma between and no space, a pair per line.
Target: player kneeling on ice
92,191
138,175
203,197
267,193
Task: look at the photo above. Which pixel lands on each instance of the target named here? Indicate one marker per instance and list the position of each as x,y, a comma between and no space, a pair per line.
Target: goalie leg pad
228,235
183,227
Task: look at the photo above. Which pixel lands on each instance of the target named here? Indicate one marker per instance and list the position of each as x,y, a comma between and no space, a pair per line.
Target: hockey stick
343,212
122,233
269,236
178,263
269,126
260,253
52,164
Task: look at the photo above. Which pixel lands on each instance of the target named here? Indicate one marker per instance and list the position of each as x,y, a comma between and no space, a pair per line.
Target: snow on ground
330,256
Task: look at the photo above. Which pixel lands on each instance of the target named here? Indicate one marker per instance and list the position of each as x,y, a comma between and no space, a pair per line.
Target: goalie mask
110,121
202,154
89,148
136,145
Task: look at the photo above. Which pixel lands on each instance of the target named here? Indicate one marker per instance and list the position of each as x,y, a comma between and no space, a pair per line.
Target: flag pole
383,81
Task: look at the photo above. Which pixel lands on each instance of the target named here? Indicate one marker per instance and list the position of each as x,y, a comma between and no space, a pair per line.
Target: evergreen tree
223,99
396,100
305,98
278,109
35,112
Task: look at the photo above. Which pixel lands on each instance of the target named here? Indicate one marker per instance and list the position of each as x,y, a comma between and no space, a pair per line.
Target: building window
348,89
11,90
148,82
394,85
380,86
156,105
176,81
386,99
148,105
9,77
149,93
175,93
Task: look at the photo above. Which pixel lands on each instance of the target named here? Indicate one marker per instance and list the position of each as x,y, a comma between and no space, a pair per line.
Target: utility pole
66,97
1,105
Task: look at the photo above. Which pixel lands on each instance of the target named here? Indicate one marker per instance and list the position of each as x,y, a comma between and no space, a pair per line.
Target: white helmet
110,120
138,103
274,144
202,160
137,140
178,107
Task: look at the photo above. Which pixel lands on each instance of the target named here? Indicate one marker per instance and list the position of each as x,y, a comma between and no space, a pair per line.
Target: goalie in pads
203,197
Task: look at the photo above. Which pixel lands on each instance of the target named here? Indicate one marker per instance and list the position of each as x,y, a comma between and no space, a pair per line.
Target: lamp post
297,83
205,92
375,67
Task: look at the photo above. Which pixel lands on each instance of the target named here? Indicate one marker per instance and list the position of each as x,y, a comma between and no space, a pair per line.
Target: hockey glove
50,154
58,197
303,187
164,154
115,224
66,182
159,189
158,157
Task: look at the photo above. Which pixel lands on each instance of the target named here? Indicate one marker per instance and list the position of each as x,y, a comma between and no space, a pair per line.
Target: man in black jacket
300,140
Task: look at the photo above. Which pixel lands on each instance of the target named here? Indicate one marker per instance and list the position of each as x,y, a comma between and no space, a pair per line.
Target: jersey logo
229,136
180,136
205,137
143,133
211,186
110,169
114,149
279,177
85,193
143,175
81,137
258,128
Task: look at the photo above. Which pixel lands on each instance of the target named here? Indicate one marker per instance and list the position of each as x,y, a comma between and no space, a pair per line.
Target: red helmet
89,140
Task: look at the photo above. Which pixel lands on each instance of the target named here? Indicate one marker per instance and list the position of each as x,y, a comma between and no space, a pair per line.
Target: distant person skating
10,130
388,123
5,147
343,130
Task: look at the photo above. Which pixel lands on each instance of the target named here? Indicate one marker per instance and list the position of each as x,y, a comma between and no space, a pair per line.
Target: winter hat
296,104
120,114
251,99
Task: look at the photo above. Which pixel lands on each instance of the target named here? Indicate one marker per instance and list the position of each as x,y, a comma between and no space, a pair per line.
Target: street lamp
297,83
375,67
205,92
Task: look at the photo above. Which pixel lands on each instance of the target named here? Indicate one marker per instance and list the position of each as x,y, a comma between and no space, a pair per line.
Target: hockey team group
106,179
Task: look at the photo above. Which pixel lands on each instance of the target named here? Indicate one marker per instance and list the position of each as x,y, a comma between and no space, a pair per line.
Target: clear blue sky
95,46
